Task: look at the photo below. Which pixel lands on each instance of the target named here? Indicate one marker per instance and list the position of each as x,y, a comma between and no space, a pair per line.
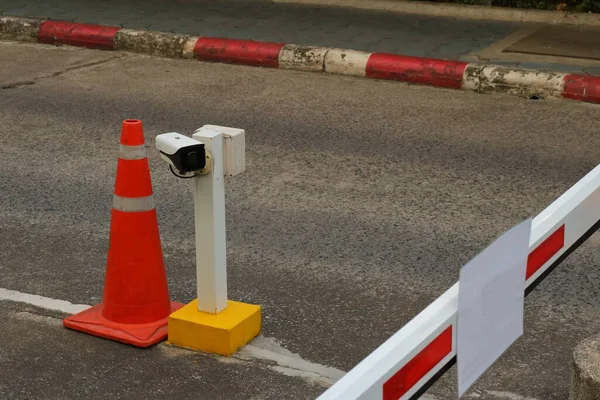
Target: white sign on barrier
491,298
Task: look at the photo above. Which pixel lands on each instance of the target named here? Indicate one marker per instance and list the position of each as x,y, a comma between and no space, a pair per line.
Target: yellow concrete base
223,333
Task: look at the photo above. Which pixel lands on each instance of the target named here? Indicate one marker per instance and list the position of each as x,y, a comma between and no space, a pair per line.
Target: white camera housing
234,147
183,153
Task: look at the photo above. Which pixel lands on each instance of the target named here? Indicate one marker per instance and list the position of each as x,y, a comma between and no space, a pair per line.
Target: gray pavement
288,23
67,366
373,31
361,201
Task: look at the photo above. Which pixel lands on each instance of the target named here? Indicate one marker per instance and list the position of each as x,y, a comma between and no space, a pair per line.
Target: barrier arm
411,360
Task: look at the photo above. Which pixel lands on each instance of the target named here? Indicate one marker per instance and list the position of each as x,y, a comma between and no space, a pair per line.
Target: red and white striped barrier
410,361
416,70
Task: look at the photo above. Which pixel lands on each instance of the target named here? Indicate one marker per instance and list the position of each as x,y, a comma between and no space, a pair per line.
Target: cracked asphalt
361,201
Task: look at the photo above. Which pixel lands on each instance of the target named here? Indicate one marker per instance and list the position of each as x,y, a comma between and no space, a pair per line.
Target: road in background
367,30
361,201
288,23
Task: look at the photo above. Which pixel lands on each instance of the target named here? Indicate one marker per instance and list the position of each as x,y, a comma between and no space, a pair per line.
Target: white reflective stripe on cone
132,152
129,204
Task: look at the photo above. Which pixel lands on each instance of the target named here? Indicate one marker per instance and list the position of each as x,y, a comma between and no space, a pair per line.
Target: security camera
183,153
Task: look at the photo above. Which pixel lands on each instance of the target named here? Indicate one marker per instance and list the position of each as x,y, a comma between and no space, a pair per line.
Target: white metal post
209,206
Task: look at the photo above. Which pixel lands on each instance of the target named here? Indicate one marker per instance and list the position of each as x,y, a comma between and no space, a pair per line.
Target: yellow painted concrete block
223,333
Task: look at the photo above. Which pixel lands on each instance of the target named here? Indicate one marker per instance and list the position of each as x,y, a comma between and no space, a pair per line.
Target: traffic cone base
92,322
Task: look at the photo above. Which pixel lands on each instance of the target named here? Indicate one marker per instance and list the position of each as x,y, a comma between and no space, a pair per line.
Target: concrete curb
586,370
476,12
416,70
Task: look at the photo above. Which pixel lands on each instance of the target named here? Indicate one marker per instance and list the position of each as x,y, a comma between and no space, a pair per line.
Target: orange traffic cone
136,303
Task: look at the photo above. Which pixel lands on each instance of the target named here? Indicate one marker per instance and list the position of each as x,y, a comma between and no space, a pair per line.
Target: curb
585,377
471,11
447,74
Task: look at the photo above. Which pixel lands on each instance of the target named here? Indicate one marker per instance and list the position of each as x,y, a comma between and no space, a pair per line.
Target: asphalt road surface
361,201
372,31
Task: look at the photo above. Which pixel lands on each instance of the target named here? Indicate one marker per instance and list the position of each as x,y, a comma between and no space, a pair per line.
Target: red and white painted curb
395,67
411,360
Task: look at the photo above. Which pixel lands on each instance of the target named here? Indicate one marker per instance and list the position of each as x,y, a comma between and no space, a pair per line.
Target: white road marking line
41,301
289,363
261,348
28,316
508,395
499,395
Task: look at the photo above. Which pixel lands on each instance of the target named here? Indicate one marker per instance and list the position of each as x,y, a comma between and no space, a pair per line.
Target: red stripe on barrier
246,52
403,380
582,88
74,34
548,248
425,71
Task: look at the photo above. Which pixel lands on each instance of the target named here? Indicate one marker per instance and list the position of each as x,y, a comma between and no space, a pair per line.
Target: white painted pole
209,206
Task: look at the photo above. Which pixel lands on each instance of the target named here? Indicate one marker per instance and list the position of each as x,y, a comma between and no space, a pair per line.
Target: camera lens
192,159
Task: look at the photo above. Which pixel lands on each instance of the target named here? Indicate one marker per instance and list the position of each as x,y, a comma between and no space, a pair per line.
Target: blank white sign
491,293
